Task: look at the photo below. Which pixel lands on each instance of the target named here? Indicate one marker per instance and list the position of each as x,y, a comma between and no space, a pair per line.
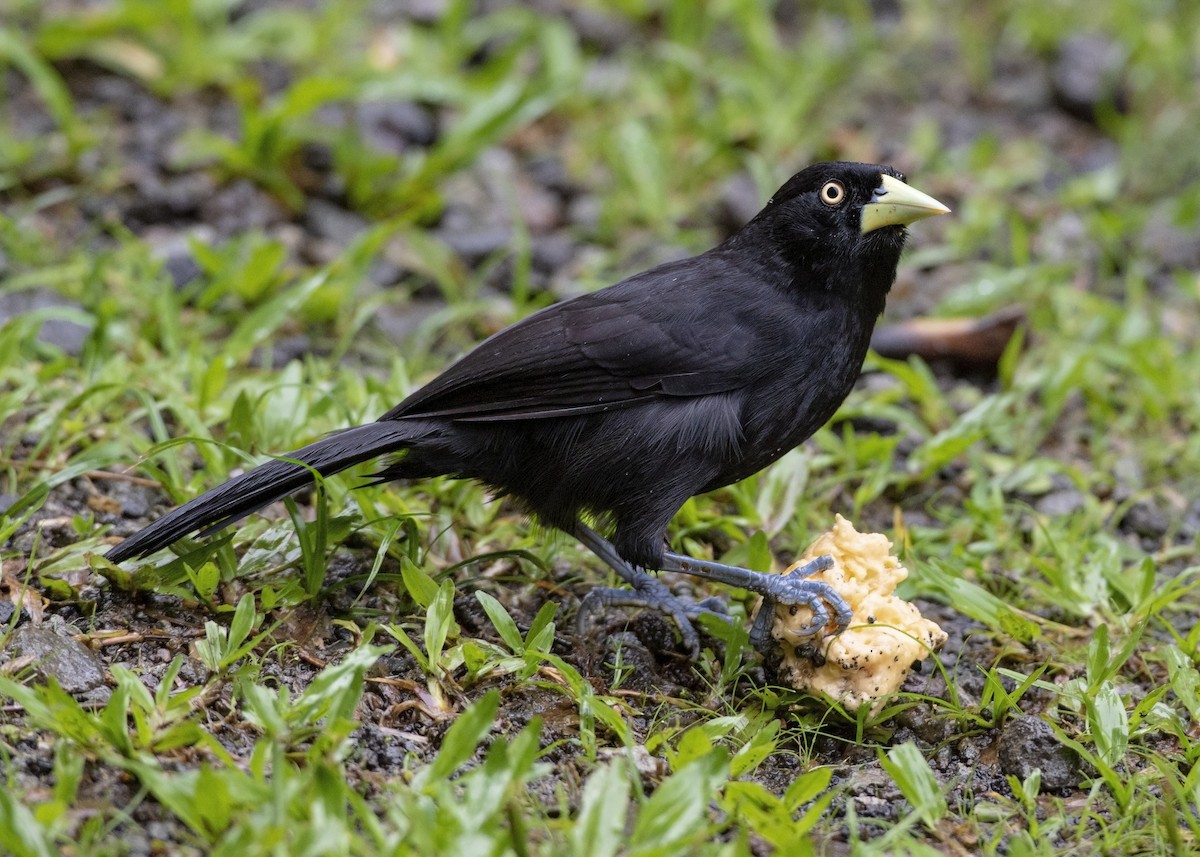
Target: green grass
255,738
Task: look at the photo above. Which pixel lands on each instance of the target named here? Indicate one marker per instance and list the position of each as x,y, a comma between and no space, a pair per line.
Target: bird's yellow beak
897,204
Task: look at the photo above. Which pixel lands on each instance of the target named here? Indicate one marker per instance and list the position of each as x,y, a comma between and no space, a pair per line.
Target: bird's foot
787,589
650,592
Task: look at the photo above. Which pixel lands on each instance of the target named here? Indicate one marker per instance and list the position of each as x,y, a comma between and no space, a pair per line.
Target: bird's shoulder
685,328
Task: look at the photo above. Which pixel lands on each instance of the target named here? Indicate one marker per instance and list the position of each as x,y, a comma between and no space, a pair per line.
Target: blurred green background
244,224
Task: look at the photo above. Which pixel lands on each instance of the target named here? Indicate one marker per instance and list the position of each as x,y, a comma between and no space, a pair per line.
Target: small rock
548,171
318,157
182,268
62,333
422,11
599,29
541,210
1174,246
925,724
283,350
158,198
59,656
1064,237
1088,75
477,199
1189,529
135,500
383,272
400,321
1058,503
473,246
553,252
1028,743
1019,86
394,126
873,791
333,222
739,200
272,75
290,235
241,207
122,91
1128,477
174,248
584,212
1146,519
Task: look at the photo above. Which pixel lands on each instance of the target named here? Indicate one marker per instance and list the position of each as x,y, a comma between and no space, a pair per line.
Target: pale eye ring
833,192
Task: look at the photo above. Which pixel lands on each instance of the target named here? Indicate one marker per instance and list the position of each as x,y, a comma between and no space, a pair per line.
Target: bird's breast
794,397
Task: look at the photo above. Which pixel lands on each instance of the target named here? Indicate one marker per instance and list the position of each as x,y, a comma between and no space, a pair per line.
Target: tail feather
265,484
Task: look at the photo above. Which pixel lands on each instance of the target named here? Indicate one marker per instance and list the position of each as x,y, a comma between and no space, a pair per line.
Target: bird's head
841,226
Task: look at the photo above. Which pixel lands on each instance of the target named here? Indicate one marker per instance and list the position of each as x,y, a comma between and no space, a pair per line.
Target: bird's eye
833,192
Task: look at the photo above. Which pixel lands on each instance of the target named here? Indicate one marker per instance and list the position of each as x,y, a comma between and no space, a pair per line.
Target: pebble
1147,520
400,321
553,252
394,126
540,209
547,170
737,202
329,220
241,207
61,333
1172,245
173,246
584,212
1028,743
474,246
1058,503
60,656
1087,76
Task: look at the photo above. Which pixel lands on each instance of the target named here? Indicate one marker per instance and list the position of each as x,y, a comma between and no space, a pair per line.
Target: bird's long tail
267,483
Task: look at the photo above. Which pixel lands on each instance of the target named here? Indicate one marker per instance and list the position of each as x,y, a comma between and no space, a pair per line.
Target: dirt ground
164,205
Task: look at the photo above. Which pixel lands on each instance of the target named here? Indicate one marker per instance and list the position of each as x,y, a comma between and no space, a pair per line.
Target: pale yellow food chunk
871,658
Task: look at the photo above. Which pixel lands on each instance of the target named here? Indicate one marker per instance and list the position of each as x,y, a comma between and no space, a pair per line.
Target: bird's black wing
661,333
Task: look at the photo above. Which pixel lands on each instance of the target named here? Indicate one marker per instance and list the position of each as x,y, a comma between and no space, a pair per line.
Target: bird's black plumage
626,402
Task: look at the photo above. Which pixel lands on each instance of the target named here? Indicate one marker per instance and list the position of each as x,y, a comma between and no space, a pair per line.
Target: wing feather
646,337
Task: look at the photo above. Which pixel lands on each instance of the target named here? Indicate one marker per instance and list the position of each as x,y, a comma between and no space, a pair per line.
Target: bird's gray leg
787,589
648,591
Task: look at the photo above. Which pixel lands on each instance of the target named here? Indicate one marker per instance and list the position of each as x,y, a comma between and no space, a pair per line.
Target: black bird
625,402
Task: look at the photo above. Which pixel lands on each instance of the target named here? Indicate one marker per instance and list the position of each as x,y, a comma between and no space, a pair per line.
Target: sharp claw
656,594
713,604
691,638
822,563
647,591
760,631
587,606
819,621
844,615
817,595
651,593
790,589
